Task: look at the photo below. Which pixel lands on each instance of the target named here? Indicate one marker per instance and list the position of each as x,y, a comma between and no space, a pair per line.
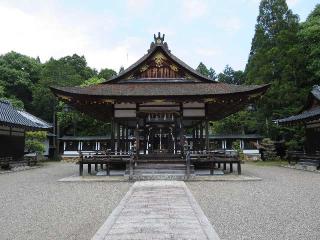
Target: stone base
302,167
147,177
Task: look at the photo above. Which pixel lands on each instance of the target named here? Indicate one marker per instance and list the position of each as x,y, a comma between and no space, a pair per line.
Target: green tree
275,58
202,69
231,76
67,71
92,81
309,36
18,75
210,73
107,73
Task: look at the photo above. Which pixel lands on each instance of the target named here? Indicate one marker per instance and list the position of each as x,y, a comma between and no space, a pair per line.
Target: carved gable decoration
158,66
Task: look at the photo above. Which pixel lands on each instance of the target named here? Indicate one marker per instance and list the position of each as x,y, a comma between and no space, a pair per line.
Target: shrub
34,141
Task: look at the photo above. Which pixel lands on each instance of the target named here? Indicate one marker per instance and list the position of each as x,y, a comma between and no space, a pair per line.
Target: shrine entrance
161,140
159,134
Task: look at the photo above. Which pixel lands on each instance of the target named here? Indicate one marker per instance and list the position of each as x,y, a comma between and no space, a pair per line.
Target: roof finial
158,39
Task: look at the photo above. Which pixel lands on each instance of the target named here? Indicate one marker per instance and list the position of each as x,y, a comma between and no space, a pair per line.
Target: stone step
176,177
160,166
177,160
158,171
309,161
316,164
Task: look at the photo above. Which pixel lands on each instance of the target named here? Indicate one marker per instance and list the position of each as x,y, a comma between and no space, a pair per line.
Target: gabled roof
159,46
9,116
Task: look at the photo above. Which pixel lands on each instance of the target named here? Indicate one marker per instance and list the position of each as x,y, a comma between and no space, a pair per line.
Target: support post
239,168
127,140
89,168
207,134
201,135
80,168
123,139
118,137
193,139
112,135
188,164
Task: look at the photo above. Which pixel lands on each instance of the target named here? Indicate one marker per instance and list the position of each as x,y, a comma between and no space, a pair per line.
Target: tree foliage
35,141
18,75
231,76
276,58
210,73
309,36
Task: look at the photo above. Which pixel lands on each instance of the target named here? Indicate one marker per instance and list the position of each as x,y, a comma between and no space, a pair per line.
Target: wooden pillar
118,137
193,139
182,139
127,140
122,138
198,137
112,135
207,134
80,168
201,135
137,136
89,168
144,137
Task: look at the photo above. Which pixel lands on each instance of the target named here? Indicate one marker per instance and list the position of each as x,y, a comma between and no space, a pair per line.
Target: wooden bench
102,159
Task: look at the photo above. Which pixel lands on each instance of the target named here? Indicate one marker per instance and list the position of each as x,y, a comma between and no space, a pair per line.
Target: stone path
157,210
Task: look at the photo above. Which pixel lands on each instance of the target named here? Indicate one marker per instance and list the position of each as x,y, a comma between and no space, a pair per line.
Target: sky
115,33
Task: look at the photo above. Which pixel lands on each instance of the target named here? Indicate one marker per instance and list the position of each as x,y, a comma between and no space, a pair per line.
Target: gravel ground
284,205
33,205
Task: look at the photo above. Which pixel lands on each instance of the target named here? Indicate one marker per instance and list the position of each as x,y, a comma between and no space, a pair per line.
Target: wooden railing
101,158
214,158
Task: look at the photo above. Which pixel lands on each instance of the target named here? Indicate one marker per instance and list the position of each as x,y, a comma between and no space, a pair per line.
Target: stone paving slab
157,210
216,178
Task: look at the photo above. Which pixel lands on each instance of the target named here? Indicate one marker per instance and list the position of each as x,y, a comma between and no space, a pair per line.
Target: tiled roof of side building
9,116
304,116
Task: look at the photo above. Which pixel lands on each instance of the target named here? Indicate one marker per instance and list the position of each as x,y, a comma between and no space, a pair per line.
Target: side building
309,118
13,125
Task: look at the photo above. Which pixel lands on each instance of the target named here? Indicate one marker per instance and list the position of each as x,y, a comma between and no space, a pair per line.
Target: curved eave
97,91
